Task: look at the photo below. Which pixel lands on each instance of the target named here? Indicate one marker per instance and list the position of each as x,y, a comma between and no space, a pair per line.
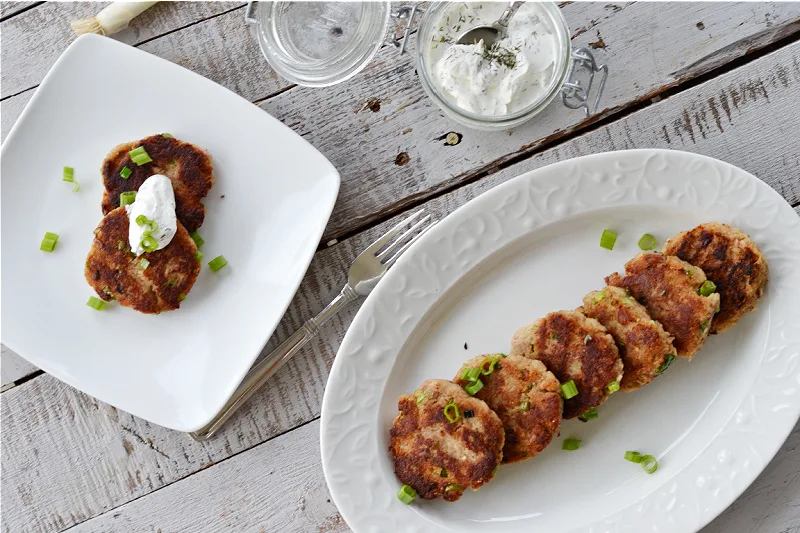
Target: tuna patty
731,260
525,396
116,274
441,457
573,347
188,167
668,289
642,342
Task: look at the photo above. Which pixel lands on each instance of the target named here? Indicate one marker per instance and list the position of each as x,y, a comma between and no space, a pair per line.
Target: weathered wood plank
97,458
33,40
13,367
391,153
9,9
303,504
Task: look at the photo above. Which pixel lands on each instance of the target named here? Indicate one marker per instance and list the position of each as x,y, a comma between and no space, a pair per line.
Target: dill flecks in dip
498,80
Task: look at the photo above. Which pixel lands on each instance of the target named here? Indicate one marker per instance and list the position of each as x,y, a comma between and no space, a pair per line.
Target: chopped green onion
125,172
451,412
127,197
571,444
140,156
634,457
707,288
217,263
525,405
181,297
647,242
591,414
422,395
149,244
690,272
443,473
569,389
120,245
473,388
406,494
470,374
69,174
649,463
488,370
76,186
197,239
96,303
142,220
49,242
612,387
665,365
144,263
453,486
166,135
199,256
600,296
608,239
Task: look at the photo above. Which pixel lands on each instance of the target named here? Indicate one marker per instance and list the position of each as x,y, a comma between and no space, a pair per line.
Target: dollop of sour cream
155,199
507,77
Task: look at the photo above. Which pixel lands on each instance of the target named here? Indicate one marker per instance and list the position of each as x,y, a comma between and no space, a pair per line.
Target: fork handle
267,367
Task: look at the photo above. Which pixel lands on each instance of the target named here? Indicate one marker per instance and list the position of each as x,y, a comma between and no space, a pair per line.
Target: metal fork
365,272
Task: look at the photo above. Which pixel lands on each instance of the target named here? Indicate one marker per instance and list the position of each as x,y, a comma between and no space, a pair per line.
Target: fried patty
188,167
525,396
642,342
116,274
573,347
439,458
731,260
667,287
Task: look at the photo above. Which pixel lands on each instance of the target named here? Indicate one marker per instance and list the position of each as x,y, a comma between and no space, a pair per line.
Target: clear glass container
317,44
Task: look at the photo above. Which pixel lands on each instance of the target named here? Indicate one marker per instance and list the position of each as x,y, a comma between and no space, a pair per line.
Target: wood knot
401,159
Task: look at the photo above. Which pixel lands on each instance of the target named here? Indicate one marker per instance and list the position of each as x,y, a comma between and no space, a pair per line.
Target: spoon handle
505,18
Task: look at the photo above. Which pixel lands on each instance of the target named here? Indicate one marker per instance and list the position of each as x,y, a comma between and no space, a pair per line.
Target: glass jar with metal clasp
318,44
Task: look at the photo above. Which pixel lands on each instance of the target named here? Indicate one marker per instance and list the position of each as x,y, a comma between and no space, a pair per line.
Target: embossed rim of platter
659,178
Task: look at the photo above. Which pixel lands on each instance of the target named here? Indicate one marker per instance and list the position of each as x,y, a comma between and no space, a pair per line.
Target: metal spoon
492,32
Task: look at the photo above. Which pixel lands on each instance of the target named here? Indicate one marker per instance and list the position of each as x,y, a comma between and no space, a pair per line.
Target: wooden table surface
720,79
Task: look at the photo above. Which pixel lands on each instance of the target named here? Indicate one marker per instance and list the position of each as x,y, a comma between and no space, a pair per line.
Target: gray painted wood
13,367
96,458
33,40
9,9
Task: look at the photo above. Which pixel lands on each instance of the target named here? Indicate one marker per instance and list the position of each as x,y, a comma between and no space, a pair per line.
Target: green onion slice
96,303
569,389
453,486
707,288
198,240
140,156
470,374
612,387
473,388
76,186
443,473
149,244
217,263
125,172
181,297
421,396
69,174
649,463
487,369
647,242
406,494
166,135
451,412
591,414
608,238
571,444
199,256
525,405
49,242
665,365
127,197
634,457
144,263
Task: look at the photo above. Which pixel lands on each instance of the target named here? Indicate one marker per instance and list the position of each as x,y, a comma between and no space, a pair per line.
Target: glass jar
318,44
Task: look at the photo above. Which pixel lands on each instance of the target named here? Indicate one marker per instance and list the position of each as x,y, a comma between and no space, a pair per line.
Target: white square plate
176,369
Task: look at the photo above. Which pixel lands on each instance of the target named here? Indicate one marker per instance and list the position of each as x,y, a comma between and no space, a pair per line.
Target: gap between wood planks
591,124
145,41
21,10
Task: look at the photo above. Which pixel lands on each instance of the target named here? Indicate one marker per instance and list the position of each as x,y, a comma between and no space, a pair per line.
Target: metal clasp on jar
404,12
573,94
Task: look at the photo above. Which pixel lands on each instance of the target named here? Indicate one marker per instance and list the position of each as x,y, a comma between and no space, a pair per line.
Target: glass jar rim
510,119
342,65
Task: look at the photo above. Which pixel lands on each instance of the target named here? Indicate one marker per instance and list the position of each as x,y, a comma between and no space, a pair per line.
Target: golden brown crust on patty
731,260
115,273
188,167
573,347
430,453
667,287
642,342
525,396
